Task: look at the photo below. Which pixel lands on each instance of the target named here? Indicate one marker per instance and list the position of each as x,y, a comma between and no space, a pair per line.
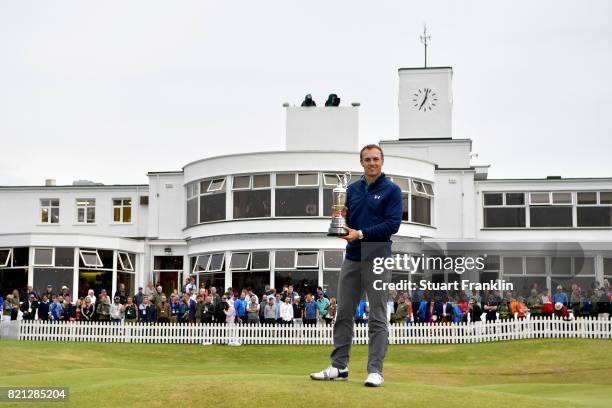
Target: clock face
425,99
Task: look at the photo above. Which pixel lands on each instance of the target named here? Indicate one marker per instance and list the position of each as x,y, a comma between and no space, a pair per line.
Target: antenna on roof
425,41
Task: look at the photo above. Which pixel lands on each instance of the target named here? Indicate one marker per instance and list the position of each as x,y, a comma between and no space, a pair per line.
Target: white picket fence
420,333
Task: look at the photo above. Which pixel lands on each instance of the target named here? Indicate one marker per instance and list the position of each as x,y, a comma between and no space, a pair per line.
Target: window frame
121,207
195,264
124,269
90,251
8,259
52,257
285,268
309,252
208,269
213,181
85,208
332,268
260,269
49,208
247,264
297,179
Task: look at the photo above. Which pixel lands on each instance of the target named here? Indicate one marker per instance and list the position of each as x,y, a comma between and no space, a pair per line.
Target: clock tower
425,103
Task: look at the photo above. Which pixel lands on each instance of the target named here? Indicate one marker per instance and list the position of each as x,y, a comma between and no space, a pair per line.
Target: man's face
372,161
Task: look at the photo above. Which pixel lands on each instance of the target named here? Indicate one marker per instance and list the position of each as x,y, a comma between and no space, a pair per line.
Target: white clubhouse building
256,219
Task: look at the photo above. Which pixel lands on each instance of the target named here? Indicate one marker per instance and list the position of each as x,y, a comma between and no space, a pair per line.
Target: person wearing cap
103,308
117,310
560,296
139,296
561,311
29,307
49,292
66,294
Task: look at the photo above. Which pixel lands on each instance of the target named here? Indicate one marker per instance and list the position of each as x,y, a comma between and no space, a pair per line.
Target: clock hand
424,99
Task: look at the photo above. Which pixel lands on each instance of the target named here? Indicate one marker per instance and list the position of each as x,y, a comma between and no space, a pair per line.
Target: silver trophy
336,228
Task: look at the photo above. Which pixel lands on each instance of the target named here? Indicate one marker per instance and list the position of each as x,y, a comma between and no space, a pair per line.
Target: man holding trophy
366,214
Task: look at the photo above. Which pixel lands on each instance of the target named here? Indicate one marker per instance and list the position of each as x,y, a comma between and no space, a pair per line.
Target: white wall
443,153
21,210
434,123
323,128
166,205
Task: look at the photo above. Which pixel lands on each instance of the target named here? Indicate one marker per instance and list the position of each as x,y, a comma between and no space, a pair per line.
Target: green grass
528,373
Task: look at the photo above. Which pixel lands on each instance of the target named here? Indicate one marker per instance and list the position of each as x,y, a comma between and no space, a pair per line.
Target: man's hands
352,235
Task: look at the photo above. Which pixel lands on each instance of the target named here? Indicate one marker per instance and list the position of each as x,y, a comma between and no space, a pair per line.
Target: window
193,194
216,262
124,261
44,256
550,209
90,258
49,211
212,200
584,266
285,180
284,260
332,259
504,210
608,267
86,210
5,256
307,259
589,213
240,261
403,184
535,265
560,266
122,210
330,179
252,196
260,261
513,265
201,263
420,203
308,179
491,262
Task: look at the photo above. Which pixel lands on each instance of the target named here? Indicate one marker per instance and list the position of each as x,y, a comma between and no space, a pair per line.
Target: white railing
419,333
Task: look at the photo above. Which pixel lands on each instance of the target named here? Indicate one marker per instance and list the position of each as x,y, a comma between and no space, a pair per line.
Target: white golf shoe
374,380
331,374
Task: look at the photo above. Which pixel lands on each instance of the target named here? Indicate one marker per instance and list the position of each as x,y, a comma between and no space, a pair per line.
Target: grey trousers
355,279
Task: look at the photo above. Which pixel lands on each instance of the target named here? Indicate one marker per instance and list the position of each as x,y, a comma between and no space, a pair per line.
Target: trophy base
336,232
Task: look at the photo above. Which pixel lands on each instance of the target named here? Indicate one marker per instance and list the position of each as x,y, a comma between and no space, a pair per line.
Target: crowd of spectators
288,307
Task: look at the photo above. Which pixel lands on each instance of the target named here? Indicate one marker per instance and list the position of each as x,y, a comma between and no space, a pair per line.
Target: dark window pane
261,180
201,263
405,206
584,266
493,199
43,256
421,210
64,257
504,217
308,260
212,207
216,262
547,216
330,283
327,202
513,266
192,212
587,198
297,202
523,285
168,263
605,197
594,216
239,260
129,280
285,259
535,266
4,258
252,204
332,259
257,281
212,279
21,256
107,258
303,281
608,266
260,260
94,279
515,198
560,266
52,276
11,279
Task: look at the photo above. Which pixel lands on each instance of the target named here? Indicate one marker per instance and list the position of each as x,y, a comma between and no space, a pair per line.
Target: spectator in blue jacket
359,311
560,296
240,305
56,308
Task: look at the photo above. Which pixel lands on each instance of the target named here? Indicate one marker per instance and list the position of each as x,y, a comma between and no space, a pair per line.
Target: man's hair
371,146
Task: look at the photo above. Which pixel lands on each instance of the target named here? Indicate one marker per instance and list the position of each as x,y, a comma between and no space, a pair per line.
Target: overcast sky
107,91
